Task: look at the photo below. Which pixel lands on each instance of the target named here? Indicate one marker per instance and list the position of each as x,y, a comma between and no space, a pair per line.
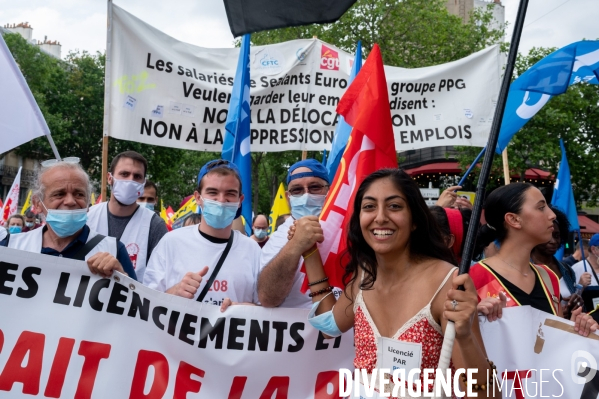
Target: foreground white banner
539,355
67,334
165,92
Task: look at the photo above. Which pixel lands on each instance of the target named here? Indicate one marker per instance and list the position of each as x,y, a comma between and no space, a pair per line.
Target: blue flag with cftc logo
236,145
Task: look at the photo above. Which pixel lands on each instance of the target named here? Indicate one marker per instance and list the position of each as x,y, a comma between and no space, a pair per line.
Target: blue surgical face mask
29,224
306,205
218,215
66,222
15,229
324,322
260,234
147,205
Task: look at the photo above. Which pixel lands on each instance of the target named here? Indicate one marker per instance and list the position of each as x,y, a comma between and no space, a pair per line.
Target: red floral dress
421,328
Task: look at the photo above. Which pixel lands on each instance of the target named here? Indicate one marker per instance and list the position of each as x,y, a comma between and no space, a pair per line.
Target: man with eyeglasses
139,228
210,262
61,192
280,276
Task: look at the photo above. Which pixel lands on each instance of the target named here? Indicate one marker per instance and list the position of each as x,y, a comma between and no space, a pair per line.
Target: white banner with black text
161,91
65,333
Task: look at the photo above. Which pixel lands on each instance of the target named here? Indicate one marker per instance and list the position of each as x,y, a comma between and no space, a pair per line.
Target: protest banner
540,355
161,91
65,333
537,355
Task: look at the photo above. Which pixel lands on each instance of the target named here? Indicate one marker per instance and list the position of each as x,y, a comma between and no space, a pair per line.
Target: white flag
12,199
20,117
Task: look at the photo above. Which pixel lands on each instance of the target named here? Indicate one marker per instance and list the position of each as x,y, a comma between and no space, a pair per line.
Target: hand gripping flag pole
485,172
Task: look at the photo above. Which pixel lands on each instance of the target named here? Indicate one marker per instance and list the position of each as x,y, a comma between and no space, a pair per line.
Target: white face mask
127,191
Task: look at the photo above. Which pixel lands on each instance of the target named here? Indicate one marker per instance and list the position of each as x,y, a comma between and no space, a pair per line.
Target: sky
81,24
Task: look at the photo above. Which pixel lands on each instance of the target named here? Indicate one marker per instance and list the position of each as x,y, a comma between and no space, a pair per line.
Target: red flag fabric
99,200
169,214
371,146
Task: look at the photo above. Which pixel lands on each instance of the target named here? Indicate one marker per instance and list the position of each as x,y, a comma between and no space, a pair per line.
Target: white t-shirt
186,250
563,289
276,242
579,270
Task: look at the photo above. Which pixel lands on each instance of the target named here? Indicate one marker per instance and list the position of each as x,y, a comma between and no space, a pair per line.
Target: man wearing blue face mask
280,278
260,227
149,198
15,224
210,262
62,192
138,227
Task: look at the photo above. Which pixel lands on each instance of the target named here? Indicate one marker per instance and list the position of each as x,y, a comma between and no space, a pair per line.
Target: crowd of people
400,251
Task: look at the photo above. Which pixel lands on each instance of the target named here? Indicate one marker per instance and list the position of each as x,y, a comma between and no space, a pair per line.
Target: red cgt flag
371,146
169,214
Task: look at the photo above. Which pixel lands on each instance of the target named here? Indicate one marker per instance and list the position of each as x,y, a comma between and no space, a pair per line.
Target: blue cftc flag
563,196
236,146
575,63
343,129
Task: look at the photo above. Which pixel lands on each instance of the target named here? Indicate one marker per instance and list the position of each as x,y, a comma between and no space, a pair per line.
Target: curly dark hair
425,241
561,220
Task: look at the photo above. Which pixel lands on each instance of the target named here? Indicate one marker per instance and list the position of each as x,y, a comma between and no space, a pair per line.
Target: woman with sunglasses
396,255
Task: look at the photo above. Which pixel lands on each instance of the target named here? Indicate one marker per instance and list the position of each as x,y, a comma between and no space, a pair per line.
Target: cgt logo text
381,384
329,59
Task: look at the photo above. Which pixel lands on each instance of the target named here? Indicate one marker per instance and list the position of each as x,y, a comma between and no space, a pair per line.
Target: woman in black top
520,219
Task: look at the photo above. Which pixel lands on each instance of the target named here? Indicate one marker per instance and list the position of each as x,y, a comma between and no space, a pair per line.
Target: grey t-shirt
117,225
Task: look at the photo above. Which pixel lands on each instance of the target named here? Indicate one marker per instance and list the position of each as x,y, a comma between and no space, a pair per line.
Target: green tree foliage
572,116
410,33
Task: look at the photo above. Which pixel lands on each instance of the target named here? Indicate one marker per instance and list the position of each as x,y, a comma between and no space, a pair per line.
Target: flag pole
304,152
54,149
107,92
506,167
472,166
104,167
485,172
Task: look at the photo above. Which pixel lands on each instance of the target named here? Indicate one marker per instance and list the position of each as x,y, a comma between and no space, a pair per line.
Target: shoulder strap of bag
219,264
547,283
80,255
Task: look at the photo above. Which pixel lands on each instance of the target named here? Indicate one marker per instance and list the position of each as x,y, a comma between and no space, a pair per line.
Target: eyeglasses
312,189
51,162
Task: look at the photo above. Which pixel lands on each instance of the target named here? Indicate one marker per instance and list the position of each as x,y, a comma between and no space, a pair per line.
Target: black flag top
248,16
